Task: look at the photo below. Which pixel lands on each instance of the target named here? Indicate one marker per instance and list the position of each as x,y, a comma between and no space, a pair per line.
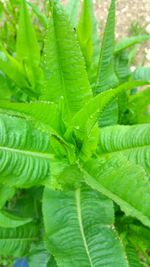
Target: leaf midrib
28,153
79,215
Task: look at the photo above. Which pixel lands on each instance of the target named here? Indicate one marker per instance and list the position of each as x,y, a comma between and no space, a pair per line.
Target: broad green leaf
46,116
27,48
132,141
6,193
64,65
25,153
84,31
142,73
79,229
17,241
122,181
72,10
130,41
39,256
8,220
106,77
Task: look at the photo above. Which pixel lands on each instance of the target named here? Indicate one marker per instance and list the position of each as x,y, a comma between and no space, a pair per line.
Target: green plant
75,151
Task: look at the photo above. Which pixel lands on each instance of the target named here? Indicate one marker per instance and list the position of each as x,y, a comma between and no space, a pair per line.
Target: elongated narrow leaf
124,182
84,31
8,220
130,41
132,141
106,77
42,18
27,48
79,229
25,153
72,10
64,65
16,242
27,45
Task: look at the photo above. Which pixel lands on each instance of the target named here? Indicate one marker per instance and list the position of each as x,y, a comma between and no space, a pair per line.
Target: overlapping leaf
25,153
132,141
27,49
79,229
64,65
106,77
16,242
8,220
124,182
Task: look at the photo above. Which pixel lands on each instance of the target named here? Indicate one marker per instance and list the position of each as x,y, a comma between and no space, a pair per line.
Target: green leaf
42,18
8,220
84,31
27,48
139,235
122,66
132,256
79,229
106,77
25,153
39,256
46,116
139,101
27,45
84,120
38,111
124,182
64,65
132,141
142,73
6,193
72,10
130,41
5,93
14,70
16,242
